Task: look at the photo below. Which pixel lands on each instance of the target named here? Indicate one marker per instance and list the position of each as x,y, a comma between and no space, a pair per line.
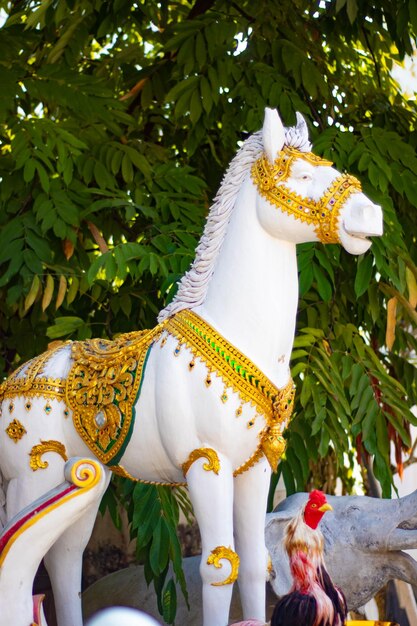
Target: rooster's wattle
313,599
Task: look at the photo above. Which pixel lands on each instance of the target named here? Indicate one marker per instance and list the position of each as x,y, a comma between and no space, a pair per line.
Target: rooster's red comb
318,497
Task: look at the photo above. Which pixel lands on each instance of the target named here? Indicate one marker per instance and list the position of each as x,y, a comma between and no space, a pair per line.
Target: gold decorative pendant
273,445
41,448
224,397
28,405
219,553
16,430
212,465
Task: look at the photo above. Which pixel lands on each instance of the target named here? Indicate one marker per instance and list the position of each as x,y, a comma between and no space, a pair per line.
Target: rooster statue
313,599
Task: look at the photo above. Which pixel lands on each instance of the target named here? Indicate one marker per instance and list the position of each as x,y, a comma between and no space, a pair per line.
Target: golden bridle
324,213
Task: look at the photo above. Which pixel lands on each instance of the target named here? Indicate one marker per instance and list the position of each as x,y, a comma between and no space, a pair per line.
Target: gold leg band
219,553
212,465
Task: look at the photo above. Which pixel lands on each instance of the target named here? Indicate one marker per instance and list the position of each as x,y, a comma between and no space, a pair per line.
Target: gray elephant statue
364,542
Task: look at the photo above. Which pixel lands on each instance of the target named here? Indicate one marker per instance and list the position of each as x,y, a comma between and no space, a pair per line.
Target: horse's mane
192,288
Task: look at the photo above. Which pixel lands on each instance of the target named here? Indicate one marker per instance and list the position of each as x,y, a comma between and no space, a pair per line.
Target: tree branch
200,7
378,76
243,13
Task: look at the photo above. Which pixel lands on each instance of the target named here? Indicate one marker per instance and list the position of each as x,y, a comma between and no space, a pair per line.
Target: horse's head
315,201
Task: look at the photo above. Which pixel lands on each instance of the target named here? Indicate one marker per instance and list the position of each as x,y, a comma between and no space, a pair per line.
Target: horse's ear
273,134
302,127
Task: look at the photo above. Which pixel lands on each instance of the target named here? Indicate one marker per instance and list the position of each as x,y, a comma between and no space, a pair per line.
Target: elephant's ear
275,525
280,576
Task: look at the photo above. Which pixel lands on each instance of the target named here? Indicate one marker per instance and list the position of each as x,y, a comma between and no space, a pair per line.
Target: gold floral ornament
219,553
102,387
16,430
41,448
324,213
212,465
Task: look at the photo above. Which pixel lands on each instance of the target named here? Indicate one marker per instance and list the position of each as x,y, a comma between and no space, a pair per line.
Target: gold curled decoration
16,430
85,473
219,553
212,465
43,447
324,213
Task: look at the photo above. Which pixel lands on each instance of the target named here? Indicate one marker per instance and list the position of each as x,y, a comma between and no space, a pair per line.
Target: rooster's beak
326,507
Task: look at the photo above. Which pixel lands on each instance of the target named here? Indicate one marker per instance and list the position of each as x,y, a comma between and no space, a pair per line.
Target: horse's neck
253,294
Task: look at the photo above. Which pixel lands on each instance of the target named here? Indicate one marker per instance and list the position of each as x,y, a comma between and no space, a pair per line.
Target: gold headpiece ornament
324,213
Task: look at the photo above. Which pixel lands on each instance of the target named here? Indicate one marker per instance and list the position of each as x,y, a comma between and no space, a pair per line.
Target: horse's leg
212,496
251,493
64,565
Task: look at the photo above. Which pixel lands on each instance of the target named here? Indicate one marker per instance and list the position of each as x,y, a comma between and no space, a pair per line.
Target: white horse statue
203,398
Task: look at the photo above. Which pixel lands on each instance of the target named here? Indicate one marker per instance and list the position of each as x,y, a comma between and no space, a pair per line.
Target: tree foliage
117,120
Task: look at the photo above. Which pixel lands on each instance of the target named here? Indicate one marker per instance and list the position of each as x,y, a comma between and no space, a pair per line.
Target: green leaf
206,96
127,169
43,176
306,279
64,326
352,10
96,265
29,170
200,50
363,274
195,107
169,602
323,285
324,441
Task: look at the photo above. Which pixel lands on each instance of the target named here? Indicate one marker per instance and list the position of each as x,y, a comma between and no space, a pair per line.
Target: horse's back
35,417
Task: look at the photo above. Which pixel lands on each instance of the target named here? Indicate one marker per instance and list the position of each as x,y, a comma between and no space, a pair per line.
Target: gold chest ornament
239,373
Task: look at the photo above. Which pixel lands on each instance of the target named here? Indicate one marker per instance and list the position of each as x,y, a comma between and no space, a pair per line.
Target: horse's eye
306,177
